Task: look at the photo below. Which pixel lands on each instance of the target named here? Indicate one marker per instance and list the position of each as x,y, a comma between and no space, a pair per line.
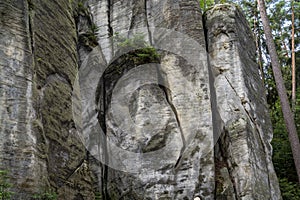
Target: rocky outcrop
247,130
39,142
17,139
118,99
159,113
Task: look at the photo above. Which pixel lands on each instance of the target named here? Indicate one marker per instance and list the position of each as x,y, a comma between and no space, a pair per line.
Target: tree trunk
258,42
293,60
287,113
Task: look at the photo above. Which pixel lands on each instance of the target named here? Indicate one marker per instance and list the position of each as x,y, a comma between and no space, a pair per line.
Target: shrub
139,49
289,190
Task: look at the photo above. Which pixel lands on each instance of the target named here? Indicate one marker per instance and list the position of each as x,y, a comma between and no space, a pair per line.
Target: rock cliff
136,99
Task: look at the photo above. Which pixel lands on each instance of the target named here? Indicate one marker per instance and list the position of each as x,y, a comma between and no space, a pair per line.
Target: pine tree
293,60
287,113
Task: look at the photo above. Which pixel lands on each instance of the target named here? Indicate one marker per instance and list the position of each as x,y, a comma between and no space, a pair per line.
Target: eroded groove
179,126
109,9
147,23
105,167
30,27
225,158
256,128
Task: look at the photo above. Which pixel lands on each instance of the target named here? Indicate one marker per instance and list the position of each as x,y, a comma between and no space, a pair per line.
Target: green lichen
57,109
42,147
55,51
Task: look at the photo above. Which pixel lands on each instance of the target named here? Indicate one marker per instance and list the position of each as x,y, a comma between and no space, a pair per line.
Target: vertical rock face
17,138
245,143
39,142
89,109
168,111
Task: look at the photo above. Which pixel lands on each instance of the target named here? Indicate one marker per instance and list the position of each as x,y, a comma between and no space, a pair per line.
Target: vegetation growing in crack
82,10
206,4
89,37
137,47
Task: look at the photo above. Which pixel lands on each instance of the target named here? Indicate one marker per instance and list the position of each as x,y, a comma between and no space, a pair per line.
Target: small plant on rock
5,186
90,37
139,49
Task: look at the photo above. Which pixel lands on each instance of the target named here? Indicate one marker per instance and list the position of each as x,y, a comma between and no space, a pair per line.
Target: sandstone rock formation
247,129
92,109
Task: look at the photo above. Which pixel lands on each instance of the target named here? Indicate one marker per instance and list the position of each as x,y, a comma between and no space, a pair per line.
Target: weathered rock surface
39,142
17,139
175,118
87,119
247,132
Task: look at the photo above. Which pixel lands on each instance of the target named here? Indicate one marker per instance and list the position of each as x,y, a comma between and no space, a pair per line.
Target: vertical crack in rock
224,176
109,18
249,115
147,22
218,123
31,33
109,13
104,176
178,162
169,101
19,137
136,10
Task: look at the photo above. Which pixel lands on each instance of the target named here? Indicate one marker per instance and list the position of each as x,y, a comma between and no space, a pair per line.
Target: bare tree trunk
293,60
258,42
287,113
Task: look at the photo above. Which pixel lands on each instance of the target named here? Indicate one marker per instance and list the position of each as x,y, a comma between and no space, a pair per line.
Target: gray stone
87,117
242,105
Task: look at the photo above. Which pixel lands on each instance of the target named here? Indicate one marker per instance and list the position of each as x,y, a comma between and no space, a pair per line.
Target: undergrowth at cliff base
5,186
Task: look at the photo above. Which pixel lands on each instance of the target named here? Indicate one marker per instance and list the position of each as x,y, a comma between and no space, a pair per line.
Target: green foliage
135,42
90,37
92,34
282,153
81,9
147,54
98,196
279,13
289,190
46,195
205,4
139,49
5,193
